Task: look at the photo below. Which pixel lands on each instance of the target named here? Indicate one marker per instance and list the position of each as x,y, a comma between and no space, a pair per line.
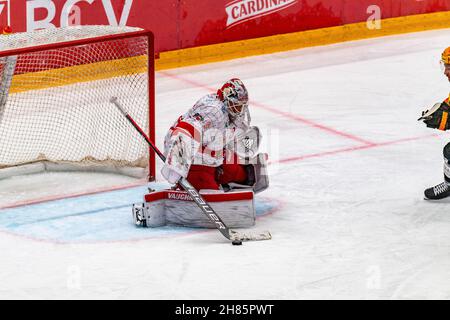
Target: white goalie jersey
201,136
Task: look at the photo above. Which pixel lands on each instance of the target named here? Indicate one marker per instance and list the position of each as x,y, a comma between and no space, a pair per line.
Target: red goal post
55,87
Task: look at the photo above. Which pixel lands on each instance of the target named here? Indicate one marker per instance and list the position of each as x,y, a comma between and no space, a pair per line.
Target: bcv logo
240,11
5,13
67,12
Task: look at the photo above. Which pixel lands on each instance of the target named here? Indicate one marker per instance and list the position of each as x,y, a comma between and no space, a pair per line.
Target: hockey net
55,91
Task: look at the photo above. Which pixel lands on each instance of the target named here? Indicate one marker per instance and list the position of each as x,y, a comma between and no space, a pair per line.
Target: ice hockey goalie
215,147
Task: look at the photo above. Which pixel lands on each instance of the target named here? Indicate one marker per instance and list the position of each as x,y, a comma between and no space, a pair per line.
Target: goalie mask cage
55,91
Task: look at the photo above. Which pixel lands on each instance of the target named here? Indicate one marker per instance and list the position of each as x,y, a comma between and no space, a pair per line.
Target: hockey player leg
203,177
257,176
441,190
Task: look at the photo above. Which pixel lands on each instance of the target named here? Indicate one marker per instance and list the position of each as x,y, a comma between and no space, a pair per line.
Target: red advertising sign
240,11
158,16
187,23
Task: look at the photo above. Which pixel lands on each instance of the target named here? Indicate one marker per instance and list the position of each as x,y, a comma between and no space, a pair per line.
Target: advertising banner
181,24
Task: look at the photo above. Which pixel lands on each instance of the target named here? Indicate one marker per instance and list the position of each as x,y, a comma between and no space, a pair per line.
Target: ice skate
438,192
138,215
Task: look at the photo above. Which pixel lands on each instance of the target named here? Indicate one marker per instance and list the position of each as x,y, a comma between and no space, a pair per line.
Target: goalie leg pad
149,214
176,208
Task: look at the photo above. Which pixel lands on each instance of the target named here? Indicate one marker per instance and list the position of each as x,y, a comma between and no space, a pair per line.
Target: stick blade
250,236
115,101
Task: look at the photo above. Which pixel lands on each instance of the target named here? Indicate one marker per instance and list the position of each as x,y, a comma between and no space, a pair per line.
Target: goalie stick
228,233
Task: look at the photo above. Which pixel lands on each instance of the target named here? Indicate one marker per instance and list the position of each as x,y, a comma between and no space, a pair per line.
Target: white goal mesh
55,88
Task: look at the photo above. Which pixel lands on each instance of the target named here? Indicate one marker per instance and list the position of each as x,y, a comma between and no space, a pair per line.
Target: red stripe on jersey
194,133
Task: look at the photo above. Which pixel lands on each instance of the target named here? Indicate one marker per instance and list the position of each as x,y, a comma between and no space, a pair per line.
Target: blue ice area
102,217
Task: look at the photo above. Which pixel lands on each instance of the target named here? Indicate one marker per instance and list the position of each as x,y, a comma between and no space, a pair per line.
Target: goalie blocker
235,203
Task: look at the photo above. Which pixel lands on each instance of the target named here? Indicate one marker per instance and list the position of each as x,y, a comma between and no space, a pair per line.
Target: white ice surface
350,163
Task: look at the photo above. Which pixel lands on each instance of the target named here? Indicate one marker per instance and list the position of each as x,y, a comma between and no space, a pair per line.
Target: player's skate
138,214
438,192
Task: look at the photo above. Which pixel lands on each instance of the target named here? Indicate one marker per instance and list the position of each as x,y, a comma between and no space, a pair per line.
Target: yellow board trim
443,124
303,39
78,74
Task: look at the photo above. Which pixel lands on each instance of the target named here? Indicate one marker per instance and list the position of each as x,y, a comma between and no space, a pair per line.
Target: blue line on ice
93,218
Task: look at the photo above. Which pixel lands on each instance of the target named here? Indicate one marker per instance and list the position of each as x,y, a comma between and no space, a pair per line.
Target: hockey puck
237,243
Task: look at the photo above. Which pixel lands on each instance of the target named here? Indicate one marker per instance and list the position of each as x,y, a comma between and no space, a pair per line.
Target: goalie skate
138,214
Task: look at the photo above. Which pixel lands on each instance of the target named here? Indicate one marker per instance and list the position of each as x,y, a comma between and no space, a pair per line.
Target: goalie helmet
235,96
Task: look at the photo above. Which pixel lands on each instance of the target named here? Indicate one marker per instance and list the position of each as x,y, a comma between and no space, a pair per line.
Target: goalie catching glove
437,117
